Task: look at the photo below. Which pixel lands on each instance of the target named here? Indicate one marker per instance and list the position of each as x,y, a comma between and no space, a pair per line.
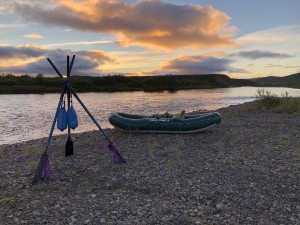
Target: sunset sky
242,39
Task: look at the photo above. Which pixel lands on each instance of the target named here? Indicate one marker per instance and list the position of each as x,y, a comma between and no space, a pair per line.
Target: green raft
160,124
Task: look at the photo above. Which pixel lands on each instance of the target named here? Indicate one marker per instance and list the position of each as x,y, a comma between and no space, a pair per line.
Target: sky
242,39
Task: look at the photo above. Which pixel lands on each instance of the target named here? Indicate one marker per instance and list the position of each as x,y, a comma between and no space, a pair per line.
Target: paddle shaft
55,118
68,91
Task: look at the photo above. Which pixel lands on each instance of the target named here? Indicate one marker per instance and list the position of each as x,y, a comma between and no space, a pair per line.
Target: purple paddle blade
116,155
46,170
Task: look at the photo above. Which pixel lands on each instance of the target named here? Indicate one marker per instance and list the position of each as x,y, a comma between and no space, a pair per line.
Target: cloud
33,36
80,43
6,26
86,62
291,67
153,24
257,54
197,65
8,52
276,35
10,26
273,65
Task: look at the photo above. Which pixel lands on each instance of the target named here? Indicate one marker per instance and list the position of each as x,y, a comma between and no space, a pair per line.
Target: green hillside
286,81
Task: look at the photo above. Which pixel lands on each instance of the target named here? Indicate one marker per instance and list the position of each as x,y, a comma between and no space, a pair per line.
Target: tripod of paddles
67,119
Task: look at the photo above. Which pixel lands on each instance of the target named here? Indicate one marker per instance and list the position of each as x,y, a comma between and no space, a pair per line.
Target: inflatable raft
167,124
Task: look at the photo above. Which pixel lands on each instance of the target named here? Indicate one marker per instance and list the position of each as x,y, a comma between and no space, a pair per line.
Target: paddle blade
117,158
43,169
46,169
69,147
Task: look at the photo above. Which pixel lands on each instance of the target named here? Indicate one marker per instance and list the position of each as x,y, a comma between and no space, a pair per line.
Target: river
26,117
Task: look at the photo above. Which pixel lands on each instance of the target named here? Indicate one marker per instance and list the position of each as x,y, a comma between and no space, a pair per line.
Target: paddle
69,147
69,144
43,170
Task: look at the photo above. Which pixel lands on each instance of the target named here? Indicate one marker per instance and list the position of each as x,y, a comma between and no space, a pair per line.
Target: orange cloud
153,24
33,36
97,56
197,65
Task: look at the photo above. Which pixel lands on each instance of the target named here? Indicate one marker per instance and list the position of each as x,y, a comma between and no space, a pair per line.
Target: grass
274,103
11,200
32,150
31,164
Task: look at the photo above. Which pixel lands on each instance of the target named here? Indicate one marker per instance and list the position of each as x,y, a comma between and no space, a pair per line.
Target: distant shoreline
40,85
25,84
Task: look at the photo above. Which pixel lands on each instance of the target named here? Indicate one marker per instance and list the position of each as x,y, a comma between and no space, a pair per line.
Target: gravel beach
244,171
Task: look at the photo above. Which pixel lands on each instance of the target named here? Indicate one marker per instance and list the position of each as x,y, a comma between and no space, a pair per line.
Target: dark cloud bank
258,54
86,62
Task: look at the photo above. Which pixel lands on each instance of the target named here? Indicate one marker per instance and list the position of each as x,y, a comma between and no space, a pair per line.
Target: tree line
11,84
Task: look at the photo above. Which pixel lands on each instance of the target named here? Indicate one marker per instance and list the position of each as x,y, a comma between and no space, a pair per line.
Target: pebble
73,219
219,206
36,213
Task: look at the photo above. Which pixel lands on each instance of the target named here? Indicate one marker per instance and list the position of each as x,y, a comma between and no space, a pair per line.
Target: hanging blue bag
72,118
62,122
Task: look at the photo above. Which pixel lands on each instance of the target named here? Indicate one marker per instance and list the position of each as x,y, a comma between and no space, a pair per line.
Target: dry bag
62,119
72,118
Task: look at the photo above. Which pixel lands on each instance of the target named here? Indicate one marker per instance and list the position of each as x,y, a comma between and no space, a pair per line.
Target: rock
219,206
36,213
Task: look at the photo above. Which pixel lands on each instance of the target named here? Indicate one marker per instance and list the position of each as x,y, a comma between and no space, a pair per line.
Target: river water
30,116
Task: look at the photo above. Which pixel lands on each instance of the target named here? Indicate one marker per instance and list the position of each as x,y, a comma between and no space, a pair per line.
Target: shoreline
245,171
242,105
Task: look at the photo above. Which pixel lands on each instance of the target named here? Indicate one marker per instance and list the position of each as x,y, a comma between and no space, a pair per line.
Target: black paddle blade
69,147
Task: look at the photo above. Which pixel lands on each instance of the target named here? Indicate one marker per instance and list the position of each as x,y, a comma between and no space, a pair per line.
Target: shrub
267,99
274,103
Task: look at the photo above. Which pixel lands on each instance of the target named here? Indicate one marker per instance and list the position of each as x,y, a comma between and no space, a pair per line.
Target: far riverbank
37,85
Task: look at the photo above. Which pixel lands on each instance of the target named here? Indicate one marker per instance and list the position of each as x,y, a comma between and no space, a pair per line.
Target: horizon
157,75
144,38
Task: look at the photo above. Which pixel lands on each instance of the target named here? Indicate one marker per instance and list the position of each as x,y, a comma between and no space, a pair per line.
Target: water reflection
25,117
